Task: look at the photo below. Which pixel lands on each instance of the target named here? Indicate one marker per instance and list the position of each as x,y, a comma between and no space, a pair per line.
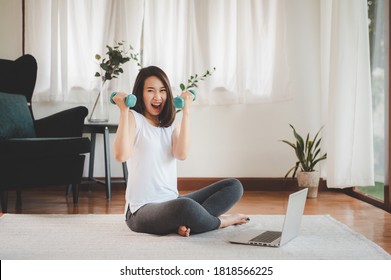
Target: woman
150,142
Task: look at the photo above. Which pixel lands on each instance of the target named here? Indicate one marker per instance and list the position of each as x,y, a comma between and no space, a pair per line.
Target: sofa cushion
15,117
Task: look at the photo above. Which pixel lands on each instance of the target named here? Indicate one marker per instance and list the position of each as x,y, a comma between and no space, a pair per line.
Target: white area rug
107,237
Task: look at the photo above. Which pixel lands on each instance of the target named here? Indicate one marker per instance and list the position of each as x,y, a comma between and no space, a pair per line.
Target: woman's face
155,96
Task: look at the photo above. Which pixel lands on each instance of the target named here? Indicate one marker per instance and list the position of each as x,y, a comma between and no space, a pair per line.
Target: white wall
228,141
10,29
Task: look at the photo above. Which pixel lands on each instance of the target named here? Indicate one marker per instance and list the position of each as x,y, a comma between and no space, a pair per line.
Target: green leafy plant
194,79
192,82
307,152
111,65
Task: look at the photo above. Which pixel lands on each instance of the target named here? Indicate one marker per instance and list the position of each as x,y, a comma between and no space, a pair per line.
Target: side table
105,129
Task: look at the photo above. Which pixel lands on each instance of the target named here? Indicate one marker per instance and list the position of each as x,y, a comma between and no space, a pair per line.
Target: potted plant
110,68
308,155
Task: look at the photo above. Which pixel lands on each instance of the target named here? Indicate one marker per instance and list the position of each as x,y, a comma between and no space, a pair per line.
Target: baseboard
195,183
249,184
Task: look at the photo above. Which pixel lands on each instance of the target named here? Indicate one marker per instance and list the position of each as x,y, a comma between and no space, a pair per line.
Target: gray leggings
198,210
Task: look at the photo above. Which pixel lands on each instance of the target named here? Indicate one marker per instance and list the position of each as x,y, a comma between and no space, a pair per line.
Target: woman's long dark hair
167,116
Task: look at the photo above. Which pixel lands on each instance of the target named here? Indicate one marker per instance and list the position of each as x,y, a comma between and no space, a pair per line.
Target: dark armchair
36,153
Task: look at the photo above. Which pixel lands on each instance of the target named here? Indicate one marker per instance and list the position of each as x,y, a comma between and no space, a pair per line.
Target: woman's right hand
119,100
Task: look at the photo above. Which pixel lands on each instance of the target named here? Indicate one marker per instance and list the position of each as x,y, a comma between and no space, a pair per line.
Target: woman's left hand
188,98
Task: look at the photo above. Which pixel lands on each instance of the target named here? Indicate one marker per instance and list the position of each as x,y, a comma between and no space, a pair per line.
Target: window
378,35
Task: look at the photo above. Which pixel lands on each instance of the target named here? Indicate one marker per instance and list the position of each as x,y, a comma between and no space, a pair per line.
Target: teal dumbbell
130,100
179,103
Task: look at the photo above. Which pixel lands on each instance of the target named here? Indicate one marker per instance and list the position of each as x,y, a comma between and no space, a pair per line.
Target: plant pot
309,180
99,105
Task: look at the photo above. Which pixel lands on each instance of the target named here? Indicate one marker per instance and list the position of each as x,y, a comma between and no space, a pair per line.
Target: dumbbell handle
130,100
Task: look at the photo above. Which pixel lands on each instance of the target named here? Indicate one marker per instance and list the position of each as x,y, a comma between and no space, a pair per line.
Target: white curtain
244,40
346,89
65,35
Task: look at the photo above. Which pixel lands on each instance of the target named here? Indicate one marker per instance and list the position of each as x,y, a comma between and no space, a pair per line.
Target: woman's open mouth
157,106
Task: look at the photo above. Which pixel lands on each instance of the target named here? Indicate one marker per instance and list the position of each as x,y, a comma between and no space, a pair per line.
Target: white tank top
152,167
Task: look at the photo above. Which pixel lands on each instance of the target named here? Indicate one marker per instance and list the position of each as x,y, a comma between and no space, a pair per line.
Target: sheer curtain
240,38
346,89
244,40
64,36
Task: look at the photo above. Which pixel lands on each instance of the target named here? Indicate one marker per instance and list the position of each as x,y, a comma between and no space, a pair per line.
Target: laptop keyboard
267,237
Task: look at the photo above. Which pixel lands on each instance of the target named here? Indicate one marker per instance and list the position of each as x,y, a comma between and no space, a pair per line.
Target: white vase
309,180
99,104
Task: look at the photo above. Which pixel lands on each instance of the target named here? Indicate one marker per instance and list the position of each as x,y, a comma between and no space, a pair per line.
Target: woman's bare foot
233,219
184,231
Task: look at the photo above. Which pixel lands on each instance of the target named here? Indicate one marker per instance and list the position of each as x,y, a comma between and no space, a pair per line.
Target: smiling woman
154,96
153,90
150,146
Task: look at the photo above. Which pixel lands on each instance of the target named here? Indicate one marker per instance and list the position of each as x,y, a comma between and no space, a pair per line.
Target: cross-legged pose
150,141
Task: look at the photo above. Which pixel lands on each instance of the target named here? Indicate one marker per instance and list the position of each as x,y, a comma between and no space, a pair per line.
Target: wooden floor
370,221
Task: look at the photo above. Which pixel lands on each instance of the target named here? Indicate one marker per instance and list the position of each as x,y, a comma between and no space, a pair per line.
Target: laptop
290,229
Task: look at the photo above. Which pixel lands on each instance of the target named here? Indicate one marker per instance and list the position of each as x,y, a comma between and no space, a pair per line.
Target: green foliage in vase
111,65
116,57
194,79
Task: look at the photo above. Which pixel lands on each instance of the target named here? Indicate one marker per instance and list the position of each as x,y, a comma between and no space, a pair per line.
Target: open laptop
290,229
